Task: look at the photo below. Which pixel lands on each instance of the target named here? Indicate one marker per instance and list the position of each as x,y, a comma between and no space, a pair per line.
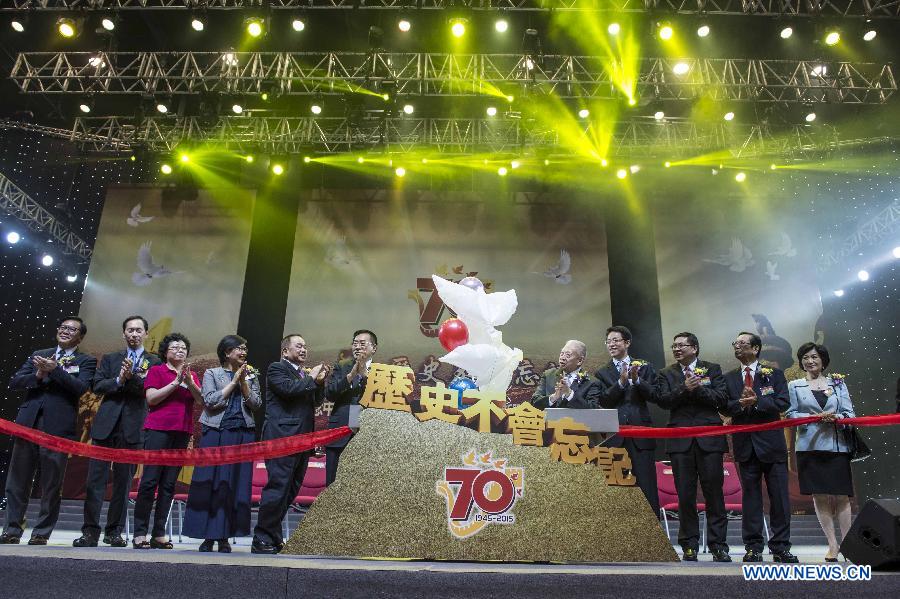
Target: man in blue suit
756,395
53,379
292,394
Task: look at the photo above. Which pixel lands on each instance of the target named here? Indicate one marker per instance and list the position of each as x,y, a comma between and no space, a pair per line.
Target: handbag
859,451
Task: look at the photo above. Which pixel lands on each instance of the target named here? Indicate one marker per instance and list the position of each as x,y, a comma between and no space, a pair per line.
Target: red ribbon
681,432
206,456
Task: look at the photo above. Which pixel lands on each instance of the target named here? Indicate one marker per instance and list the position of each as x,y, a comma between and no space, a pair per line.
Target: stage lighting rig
199,21
69,27
458,26
108,24
255,26
19,23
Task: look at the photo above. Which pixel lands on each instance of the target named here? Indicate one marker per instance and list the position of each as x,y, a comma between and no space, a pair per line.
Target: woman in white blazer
823,456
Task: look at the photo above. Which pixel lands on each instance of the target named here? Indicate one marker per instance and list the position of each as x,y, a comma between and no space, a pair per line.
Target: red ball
452,333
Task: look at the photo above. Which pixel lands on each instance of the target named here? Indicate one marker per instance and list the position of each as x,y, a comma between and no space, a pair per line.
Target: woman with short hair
823,455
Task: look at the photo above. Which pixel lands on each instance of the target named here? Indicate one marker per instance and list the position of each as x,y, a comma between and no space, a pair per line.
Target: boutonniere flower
638,363
582,374
252,371
700,371
66,360
838,378
765,371
307,370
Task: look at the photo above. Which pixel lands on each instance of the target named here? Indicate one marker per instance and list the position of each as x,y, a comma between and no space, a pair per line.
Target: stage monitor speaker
874,538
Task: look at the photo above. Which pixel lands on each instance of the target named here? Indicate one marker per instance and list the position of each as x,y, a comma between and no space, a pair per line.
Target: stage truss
765,8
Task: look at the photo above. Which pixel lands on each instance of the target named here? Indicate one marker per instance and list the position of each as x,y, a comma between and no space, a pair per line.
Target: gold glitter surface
384,503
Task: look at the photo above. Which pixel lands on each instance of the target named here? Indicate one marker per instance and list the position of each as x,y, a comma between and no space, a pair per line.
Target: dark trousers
158,481
752,472
98,473
332,457
643,466
688,467
285,478
23,464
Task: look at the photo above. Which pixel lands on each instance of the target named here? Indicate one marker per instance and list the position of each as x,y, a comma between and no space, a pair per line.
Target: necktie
748,380
133,357
300,372
687,372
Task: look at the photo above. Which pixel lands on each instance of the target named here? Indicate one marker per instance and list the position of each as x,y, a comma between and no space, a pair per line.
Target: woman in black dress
823,455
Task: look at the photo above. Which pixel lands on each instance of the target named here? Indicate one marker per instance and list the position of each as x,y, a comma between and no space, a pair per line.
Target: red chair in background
668,499
313,483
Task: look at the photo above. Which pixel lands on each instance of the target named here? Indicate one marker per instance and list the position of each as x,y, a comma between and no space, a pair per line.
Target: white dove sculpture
738,259
785,248
147,269
134,218
560,272
487,359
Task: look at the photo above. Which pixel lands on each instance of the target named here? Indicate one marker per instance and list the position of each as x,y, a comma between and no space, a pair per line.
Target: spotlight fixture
198,23
376,38
298,25
863,275
729,116
502,171
67,27
230,58
86,105
236,108
787,32
277,169
108,23
613,29
665,31
47,260
667,164
165,168
316,108
501,25
458,27
491,111
249,159
896,252
634,168
621,173
19,23
838,293
773,166
71,278
740,177
400,171
703,30
307,160
515,164
832,37
162,107
810,117
404,25
681,68
584,113
659,115
360,159
604,162
254,26
13,238
408,109
820,70
870,35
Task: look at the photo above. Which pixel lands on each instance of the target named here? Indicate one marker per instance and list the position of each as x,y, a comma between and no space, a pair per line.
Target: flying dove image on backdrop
147,269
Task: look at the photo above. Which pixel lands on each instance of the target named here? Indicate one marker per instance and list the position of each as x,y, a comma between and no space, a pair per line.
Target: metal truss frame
883,224
20,205
770,8
432,74
445,136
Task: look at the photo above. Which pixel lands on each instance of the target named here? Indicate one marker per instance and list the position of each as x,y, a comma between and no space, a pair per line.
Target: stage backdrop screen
365,260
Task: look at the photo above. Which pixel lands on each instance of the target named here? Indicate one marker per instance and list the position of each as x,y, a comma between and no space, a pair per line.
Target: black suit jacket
290,402
126,400
699,407
631,402
769,446
344,395
57,398
585,391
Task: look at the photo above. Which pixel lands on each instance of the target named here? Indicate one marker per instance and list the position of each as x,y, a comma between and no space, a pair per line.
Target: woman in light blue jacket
218,505
823,456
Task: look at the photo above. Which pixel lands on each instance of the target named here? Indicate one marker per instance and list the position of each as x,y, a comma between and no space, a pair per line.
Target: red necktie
748,380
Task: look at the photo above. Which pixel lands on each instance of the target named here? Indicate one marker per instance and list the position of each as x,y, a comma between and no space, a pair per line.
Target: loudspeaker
874,538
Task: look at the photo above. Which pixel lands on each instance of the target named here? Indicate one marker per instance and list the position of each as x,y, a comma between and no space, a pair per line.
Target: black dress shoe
224,546
9,539
689,555
753,555
786,557
720,555
264,548
115,541
38,540
206,546
84,541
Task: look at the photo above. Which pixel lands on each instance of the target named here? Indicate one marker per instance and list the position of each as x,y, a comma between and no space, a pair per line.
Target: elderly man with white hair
569,386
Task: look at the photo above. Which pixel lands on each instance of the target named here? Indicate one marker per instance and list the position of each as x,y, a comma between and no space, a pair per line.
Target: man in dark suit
119,423
758,394
694,392
292,394
627,385
345,388
567,386
53,379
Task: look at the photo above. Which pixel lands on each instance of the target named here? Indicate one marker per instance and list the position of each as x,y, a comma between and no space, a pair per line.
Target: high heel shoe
206,546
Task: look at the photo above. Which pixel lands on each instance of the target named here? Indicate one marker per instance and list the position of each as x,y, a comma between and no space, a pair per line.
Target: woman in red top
171,390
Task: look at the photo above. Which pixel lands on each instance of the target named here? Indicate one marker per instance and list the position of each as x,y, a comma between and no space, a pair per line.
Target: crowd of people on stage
148,403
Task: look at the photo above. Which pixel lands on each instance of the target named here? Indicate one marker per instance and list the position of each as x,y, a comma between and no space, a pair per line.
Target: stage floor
59,570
